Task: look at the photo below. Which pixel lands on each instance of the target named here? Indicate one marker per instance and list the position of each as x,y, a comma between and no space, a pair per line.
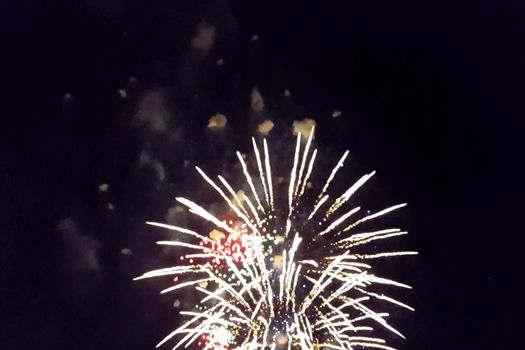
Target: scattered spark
216,234
265,127
303,127
336,114
217,121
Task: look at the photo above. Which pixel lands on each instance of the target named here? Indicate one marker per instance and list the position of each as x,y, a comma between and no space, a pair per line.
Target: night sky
105,111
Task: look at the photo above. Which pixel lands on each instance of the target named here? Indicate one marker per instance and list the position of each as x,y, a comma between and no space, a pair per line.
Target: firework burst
282,276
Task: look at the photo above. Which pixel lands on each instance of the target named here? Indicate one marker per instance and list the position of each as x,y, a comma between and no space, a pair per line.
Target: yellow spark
249,179
332,174
293,174
268,172
261,173
308,172
303,162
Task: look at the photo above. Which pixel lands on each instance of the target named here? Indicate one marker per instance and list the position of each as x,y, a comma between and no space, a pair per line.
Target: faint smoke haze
81,250
204,39
152,112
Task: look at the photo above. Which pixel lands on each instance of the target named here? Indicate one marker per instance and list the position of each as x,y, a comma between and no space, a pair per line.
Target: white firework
270,278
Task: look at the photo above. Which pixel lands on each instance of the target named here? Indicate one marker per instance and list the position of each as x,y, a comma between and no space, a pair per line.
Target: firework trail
276,278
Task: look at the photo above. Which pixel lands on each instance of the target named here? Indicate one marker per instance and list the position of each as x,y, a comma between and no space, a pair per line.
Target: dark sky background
120,92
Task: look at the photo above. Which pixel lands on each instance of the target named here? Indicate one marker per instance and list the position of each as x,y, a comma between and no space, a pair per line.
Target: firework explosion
281,276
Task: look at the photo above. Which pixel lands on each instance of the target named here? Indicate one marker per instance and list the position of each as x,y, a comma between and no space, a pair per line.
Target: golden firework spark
262,281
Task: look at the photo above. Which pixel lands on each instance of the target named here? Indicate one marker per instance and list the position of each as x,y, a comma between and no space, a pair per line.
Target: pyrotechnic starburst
287,277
